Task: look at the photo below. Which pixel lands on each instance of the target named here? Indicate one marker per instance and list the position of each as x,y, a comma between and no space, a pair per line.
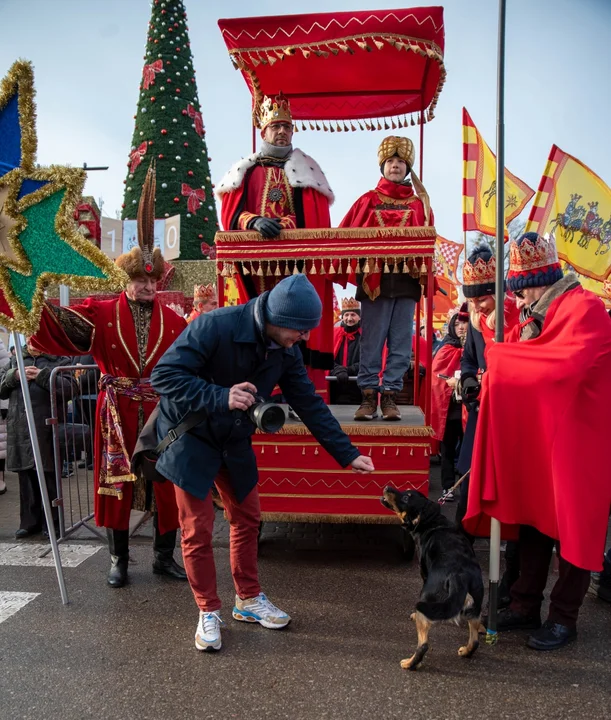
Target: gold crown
394,145
531,255
201,293
350,304
275,109
480,272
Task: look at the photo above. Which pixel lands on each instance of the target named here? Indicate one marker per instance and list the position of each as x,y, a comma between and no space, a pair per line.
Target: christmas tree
170,131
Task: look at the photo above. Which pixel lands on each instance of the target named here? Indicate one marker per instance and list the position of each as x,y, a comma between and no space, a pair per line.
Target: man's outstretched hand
242,396
362,464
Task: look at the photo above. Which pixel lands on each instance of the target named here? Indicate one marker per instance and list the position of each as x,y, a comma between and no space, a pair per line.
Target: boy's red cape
540,449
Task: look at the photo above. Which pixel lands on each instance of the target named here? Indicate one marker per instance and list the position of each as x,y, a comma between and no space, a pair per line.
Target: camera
269,417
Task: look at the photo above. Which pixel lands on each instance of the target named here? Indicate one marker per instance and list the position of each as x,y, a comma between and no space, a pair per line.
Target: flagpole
495,526
46,503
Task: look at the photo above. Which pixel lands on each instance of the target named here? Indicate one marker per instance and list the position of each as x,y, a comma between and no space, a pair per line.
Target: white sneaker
260,609
208,633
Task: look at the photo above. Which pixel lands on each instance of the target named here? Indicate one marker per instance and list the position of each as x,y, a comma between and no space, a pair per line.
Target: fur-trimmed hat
533,262
145,260
479,273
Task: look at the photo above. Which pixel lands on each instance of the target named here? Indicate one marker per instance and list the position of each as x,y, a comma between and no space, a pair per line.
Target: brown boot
369,407
388,405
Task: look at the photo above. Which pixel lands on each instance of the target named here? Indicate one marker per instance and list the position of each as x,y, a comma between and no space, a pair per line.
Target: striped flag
479,184
573,207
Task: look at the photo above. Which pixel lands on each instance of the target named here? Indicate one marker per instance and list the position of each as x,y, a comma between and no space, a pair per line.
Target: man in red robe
388,300
126,337
275,189
542,425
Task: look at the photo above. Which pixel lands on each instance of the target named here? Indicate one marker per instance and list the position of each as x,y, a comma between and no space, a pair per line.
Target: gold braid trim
330,234
111,491
328,518
247,59
361,429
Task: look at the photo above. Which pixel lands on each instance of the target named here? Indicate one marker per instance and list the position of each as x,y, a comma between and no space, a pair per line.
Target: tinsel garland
45,244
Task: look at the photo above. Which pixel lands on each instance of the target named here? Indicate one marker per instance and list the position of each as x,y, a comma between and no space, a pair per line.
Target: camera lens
268,417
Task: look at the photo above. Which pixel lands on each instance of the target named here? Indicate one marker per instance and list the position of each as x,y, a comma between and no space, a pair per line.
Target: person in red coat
204,301
126,337
446,408
388,300
347,354
279,188
542,424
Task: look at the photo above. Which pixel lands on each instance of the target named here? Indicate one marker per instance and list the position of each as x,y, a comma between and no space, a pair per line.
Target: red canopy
343,66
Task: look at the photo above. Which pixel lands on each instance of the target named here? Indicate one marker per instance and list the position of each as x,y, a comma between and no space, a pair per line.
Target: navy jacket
215,352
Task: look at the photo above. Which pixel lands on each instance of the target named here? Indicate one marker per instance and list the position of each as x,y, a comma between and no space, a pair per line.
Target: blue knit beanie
293,303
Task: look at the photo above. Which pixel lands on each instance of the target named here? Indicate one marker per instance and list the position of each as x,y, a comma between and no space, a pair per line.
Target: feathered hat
479,273
350,305
533,262
145,260
403,148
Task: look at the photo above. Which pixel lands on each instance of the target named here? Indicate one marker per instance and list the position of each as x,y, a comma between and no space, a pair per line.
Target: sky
88,58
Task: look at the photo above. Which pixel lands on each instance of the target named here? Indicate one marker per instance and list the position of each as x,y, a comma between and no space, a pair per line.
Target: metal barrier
73,416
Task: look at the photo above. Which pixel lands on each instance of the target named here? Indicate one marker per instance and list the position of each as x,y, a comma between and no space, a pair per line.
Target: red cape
446,362
542,430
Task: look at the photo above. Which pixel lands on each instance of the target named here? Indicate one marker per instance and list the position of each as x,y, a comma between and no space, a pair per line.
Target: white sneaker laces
262,606
211,622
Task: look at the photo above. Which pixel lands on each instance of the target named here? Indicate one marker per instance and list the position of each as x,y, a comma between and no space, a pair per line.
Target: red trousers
196,524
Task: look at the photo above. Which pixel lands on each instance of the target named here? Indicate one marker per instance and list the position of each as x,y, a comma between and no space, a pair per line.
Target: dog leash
442,499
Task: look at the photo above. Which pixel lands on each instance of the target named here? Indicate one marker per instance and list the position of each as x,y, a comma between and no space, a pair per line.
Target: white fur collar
301,171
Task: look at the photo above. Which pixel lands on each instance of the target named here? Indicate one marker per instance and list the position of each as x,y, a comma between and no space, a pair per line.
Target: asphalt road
129,653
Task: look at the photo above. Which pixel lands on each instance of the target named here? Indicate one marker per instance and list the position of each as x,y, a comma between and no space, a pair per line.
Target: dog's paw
466,652
407,664
412,617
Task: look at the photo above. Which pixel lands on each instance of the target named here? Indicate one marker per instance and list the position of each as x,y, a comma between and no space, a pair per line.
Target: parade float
342,72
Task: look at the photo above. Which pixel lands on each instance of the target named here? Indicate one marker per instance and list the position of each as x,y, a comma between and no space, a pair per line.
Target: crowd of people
159,370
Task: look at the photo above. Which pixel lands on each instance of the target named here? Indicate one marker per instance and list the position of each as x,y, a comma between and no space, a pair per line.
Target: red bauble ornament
163,12
150,142
200,236
156,41
186,144
175,24
164,132
170,29
177,49
184,112
176,199
169,80
178,90
190,174
160,156
153,99
125,181
206,219
123,205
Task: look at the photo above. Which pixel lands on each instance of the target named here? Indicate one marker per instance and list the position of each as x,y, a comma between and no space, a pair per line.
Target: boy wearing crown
278,188
388,300
347,353
204,300
127,337
543,420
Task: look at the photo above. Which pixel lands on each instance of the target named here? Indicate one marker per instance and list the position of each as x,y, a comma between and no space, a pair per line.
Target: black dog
453,586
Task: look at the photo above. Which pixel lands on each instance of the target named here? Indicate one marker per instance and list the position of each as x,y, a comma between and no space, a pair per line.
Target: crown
350,304
480,272
276,109
393,145
202,292
529,254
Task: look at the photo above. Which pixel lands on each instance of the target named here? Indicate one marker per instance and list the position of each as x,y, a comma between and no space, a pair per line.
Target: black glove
470,389
341,373
268,227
